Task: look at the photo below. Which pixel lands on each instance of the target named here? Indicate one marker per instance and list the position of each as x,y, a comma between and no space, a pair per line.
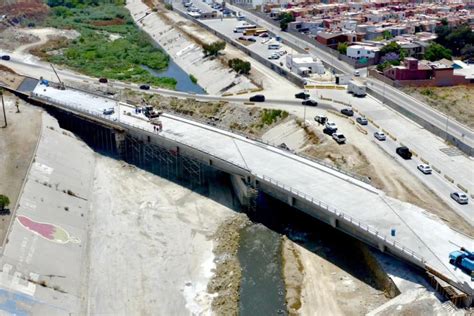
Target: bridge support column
245,191
120,143
333,221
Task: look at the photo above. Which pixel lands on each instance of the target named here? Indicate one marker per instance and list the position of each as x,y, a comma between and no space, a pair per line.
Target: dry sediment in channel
227,274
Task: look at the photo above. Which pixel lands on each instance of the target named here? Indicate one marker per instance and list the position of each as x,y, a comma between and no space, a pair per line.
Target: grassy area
110,45
271,116
455,101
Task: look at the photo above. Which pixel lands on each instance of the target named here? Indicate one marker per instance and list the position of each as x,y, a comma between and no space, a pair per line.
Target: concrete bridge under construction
186,148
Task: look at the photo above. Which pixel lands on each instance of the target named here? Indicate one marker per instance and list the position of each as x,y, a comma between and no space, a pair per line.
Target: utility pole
4,114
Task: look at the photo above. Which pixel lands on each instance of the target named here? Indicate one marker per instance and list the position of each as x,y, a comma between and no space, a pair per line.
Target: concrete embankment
211,74
47,241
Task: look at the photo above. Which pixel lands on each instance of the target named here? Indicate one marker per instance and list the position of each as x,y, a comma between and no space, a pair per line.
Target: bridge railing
369,229
261,141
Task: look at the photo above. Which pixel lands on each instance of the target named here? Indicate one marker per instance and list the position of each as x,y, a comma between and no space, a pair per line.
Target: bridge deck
424,234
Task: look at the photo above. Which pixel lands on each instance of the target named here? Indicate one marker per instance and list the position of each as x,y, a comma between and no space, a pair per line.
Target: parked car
380,136
274,56
109,111
362,120
264,35
103,80
6,57
426,169
257,98
145,87
310,102
242,38
321,119
331,126
251,39
460,197
347,112
302,95
404,152
356,73
339,138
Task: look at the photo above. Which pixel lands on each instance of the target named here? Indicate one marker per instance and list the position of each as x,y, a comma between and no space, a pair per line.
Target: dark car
251,39
6,57
302,95
347,111
257,98
404,152
362,120
145,87
310,102
103,80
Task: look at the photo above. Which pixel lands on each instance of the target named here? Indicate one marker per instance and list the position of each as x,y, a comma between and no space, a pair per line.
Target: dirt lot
17,144
457,102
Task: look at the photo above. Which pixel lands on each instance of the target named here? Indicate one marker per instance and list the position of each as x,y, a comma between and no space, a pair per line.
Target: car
251,39
380,136
264,35
274,56
331,126
347,112
257,98
103,80
145,87
460,197
310,102
426,169
109,111
242,38
5,57
362,120
339,138
404,152
302,95
356,73
321,119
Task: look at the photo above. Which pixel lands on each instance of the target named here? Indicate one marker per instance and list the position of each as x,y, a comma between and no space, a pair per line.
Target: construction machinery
463,259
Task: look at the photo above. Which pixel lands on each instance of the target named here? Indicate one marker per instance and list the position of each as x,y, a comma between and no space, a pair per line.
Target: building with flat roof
304,64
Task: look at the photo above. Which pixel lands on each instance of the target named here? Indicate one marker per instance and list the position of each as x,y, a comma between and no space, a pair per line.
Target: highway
438,119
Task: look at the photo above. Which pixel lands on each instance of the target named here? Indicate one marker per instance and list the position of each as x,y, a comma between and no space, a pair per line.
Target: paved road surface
459,130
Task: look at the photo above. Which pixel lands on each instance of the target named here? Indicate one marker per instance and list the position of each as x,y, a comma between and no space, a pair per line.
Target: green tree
342,48
240,66
436,52
285,18
456,38
213,49
387,35
468,51
4,201
392,47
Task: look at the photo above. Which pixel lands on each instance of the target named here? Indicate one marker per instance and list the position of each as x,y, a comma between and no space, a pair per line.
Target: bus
254,32
244,26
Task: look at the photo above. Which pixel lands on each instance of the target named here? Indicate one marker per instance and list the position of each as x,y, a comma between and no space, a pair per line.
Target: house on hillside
424,73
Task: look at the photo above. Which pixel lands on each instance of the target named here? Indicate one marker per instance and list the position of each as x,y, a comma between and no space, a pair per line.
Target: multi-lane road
456,129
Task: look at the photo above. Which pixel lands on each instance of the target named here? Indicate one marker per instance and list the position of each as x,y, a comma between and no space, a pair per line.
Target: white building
359,51
304,64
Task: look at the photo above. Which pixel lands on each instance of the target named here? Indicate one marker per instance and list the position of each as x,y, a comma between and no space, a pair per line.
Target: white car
274,56
356,73
331,125
426,169
380,136
460,197
339,138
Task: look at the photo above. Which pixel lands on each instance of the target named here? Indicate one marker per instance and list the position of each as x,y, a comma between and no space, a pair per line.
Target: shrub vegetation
110,44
